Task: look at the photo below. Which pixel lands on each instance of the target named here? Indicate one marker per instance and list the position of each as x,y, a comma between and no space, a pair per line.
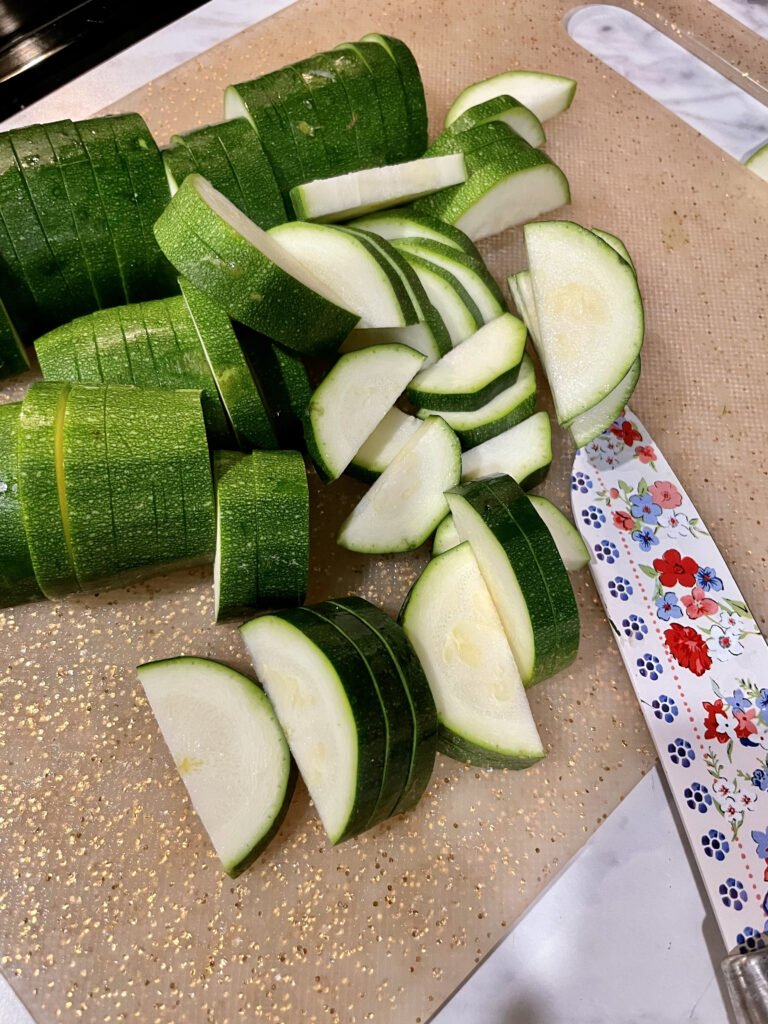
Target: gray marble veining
752,13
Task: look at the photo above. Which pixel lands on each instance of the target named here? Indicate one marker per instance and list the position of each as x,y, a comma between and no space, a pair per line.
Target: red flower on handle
689,649
626,432
675,568
623,521
710,722
645,453
665,493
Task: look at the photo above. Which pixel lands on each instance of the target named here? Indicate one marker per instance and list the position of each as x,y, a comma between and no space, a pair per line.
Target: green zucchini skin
284,382
422,704
282,527
388,89
237,554
413,90
17,576
13,357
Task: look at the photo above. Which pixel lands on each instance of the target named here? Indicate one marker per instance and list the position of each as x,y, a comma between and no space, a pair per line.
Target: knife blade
696,659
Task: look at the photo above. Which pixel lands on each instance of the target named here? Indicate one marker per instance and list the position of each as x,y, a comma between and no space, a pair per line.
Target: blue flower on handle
649,667
715,844
646,538
761,839
664,708
645,508
697,797
750,939
681,752
580,482
593,516
634,627
620,587
760,779
667,607
733,894
738,701
606,551
708,579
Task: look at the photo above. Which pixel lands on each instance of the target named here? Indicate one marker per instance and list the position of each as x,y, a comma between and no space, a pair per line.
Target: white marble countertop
623,934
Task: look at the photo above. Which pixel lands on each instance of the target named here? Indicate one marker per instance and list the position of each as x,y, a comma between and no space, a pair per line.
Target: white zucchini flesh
491,352
546,95
516,197
393,224
594,421
500,579
519,452
228,748
446,537
456,632
375,188
416,336
568,541
521,287
617,244
353,399
315,714
407,502
342,262
590,313
447,301
376,453
478,290
508,110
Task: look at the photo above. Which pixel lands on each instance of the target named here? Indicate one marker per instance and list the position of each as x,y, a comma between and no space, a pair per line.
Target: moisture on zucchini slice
455,306
375,188
523,452
413,89
376,453
41,487
502,412
228,748
407,501
247,273
17,576
506,109
546,95
475,372
482,707
352,400
568,541
361,276
334,724
590,313
409,223
595,421
422,704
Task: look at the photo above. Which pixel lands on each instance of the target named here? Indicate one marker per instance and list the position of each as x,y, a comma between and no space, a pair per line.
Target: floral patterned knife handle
697,661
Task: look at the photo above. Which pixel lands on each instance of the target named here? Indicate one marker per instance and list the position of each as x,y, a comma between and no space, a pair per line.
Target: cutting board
112,904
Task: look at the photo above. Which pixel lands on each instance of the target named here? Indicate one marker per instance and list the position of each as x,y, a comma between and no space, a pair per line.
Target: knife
699,667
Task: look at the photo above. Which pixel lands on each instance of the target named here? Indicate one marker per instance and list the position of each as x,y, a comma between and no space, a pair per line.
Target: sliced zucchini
333,120
334,724
236,564
246,273
250,100
352,400
178,162
350,70
406,502
475,372
229,750
594,421
501,413
590,314
617,244
17,576
211,161
470,271
42,494
363,278
450,298
410,223
284,383
13,357
568,541
239,392
546,95
446,537
262,200
483,712
375,188
506,109
521,289
376,453
413,89
296,104
523,452
422,705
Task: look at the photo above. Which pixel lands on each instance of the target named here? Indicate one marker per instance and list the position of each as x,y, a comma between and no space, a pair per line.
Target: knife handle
746,977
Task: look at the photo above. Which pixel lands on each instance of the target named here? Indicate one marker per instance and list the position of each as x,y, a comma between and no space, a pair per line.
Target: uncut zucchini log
523,571
229,750
17,575
483,713
357,714
241,269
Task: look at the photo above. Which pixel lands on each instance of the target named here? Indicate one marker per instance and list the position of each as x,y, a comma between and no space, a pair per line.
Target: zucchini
236,565
590,314
13,357
178,162
616,244
475,372
284,382
208,157
17,576
334,724
281,518
413,89
406,222
407,501
380,448
454,305
568,541
352,400
523,452
333,122
388,89
422,705
521,289
545,95
244,271
446,537
508,110
357,193
595,421
350,70
364,280
502,412
228,748
482,708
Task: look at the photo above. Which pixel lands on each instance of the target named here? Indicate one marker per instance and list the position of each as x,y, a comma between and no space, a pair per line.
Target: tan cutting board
112,905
